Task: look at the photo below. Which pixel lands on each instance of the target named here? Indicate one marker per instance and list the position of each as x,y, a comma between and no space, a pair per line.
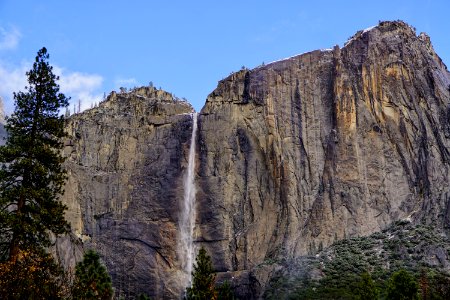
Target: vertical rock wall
125,165
330,144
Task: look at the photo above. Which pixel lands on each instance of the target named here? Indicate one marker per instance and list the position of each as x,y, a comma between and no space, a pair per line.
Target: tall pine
31,175
31,180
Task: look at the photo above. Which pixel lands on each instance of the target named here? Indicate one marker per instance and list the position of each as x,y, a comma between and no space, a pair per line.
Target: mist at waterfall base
186,249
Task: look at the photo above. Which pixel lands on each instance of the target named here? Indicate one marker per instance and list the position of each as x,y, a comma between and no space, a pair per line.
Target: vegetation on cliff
403,254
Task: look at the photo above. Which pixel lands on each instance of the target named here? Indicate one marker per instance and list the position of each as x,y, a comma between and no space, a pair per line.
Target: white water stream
187,218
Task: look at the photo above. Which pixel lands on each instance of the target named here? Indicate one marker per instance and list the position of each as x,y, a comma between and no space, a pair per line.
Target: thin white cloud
81,87
125,82
12,79
76,81
9,38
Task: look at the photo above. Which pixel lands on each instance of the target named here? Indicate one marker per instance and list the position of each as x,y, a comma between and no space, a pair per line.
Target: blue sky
185,47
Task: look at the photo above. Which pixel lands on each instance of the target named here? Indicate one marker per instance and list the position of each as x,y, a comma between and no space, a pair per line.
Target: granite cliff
291,157
125,163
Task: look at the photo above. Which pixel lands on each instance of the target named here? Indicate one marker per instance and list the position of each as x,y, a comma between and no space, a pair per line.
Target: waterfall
187,217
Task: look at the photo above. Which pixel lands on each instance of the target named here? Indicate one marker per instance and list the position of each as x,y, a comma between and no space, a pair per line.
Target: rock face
291,156
302,152
125,162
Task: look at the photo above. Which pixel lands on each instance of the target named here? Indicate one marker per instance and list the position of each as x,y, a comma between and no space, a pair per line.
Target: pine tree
439,286
92,281
31,179
402,286
31,176
203,284
366,288
224,292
